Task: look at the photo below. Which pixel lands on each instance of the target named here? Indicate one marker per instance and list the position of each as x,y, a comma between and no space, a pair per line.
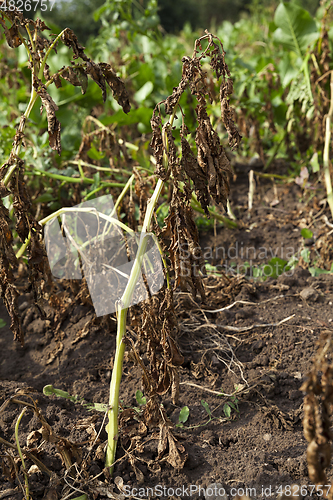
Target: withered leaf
57,80
184,249
227,114
54,126
212,158
76,76
12,35
164,382
46,72
70,39
157,144
3,190
193,170
117,86
40,25
96,74
177,455
177,359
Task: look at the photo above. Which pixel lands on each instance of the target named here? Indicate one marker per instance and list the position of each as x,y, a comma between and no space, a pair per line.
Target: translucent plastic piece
88,241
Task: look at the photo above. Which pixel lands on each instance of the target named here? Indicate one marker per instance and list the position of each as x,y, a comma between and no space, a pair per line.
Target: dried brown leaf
96,74
12,34
176,455
70,39
76,76
117,86
54,126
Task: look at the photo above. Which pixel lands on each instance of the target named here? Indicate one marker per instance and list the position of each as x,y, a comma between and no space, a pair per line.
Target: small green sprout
231,405
183,416
208,410
49,390
140,398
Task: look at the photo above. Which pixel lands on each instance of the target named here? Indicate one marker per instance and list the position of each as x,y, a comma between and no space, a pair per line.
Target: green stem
20,452
123,305
195,205
74,180
42,66
326,153
274,176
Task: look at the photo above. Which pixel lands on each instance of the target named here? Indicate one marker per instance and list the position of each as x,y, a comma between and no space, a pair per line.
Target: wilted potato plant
196,165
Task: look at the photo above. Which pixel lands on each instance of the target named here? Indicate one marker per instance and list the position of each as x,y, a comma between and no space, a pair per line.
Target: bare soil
262,346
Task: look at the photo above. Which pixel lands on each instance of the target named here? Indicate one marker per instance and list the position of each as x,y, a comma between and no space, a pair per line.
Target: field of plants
166,263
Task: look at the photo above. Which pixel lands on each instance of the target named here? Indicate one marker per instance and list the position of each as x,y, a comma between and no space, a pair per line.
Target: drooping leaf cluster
205,171
19,30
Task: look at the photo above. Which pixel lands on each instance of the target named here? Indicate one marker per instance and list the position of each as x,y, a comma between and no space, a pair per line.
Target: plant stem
123,305
20,452
195,205
16,152
73,180
326,153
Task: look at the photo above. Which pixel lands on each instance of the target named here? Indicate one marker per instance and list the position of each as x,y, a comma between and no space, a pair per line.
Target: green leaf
141,400
275,267
94,154
144,92
48,390
305,254
306,233
206,406
315,163
184,414
2,323
296,28
227,410
316,271
44,198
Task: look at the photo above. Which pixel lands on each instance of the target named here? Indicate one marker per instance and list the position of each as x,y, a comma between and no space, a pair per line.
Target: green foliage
296,29
306,233
49,390
141,400
183,416
231,405
75,15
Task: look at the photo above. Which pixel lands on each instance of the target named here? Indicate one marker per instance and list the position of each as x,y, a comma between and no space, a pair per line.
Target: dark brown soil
263,345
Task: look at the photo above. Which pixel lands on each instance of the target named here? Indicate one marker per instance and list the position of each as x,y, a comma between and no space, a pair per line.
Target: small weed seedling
183,416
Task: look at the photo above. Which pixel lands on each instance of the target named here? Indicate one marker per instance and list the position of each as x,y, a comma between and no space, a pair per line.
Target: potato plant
198,170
